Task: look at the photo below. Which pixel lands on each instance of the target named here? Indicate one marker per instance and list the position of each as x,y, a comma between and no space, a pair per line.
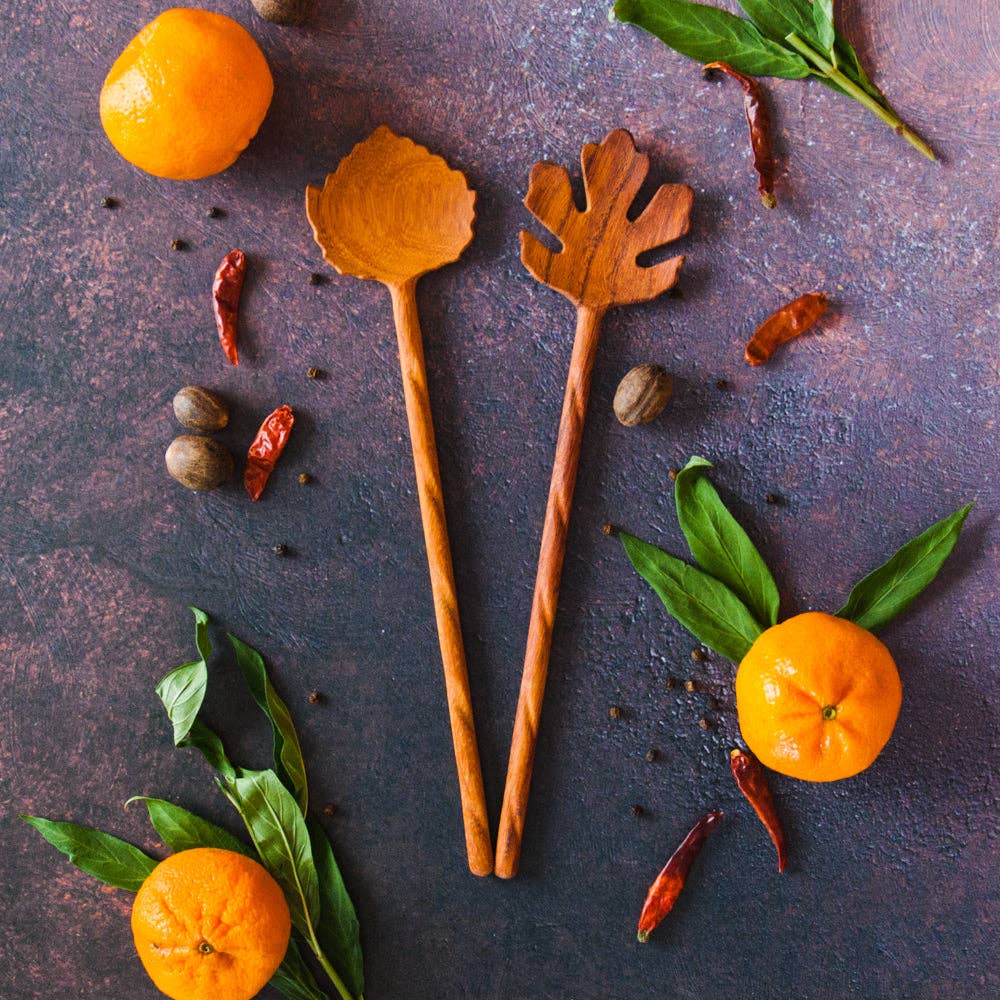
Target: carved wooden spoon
391,212
595,269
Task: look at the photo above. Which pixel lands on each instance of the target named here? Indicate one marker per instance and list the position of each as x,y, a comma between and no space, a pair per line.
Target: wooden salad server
391,212
595,269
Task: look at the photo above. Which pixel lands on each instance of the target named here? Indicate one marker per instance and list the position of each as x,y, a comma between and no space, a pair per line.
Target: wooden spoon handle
463,730
543,605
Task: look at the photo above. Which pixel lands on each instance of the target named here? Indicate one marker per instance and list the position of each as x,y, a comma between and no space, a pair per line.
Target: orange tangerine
187,95
817,697
210,925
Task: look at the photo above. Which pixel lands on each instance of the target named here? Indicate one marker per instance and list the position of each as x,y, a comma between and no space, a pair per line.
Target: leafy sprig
272,803
733,598
784,38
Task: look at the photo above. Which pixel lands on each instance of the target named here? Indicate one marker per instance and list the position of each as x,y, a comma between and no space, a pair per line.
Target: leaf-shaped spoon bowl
391,212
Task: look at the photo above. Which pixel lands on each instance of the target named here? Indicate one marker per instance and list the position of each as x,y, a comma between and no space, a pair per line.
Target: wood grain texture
546,596
478,840
871,427
596,268
392,212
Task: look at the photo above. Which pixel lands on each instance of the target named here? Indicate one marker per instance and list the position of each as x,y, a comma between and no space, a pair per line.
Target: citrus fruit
187,94
817,697
210,925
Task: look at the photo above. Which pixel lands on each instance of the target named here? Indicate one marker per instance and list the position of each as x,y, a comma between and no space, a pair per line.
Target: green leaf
279,833
288,762
826,33
338,931
709,34
720,546
182,691
294,979
889,590
107,858
202,738
776,19
706,608
201,634
181,830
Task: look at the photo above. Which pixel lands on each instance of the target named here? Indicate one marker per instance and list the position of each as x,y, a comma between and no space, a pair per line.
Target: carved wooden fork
595,269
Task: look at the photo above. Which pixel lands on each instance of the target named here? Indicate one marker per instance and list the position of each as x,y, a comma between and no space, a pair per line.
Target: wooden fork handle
546,597
456,675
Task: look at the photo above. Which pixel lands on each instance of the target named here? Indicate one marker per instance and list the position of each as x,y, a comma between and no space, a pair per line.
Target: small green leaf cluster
732,598
784,38
288,842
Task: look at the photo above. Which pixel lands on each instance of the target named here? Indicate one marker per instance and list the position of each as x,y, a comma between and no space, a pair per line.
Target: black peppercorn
281,549
214,213
691,685
774,498
615,712
651,754
305,478
315,697
107,202
637,810
722,385
178,245
697,654
329,809
314,373
316,279
670,683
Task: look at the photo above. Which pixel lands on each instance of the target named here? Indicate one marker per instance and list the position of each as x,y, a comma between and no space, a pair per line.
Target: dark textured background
873,428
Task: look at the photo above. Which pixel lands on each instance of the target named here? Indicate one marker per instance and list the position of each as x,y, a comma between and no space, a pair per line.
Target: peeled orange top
210,925
187,95
817,697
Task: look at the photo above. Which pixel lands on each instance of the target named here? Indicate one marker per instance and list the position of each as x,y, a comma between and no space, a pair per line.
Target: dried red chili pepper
664,891
266,450
759,120
226,300
751,782
784,325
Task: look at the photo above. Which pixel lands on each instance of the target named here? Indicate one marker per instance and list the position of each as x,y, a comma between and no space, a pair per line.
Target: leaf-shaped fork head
596,266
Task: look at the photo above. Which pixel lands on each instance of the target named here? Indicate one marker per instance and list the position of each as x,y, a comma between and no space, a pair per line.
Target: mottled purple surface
876,426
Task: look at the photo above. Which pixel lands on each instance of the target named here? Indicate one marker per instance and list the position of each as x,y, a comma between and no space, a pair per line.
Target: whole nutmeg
642,394
283,11
199,463
200,409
